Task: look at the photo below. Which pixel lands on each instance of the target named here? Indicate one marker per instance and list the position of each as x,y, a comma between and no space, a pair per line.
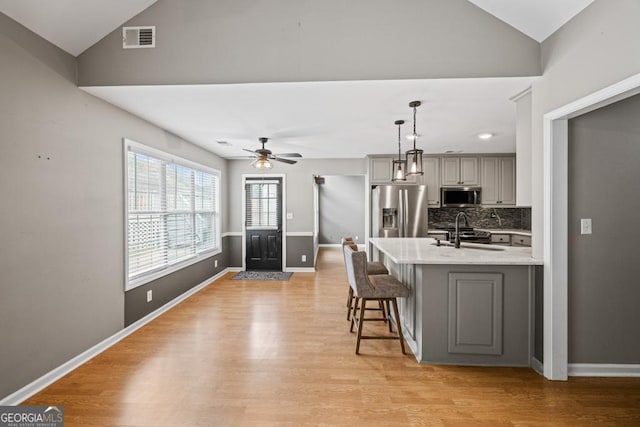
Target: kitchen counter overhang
424,250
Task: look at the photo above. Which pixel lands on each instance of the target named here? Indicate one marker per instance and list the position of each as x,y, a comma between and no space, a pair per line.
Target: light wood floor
280,353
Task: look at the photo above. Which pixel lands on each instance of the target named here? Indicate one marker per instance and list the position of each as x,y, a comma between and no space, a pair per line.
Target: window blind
262,199
173,213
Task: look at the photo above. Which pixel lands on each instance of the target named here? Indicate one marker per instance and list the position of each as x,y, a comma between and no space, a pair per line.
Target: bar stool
373,268
382,288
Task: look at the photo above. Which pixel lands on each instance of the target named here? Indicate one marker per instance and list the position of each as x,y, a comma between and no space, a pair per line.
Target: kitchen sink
475,246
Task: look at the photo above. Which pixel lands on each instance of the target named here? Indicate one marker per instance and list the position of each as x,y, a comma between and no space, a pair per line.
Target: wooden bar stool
382,288
373,268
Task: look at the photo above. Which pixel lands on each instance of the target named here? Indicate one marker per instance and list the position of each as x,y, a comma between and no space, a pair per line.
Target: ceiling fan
264,156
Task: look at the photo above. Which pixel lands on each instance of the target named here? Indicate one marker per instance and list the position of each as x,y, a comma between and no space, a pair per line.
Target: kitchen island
467,306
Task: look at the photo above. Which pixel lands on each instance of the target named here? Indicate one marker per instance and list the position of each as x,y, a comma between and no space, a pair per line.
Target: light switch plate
585,226
289,215
149,295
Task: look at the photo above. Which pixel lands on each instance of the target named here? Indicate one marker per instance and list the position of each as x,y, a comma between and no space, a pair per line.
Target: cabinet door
475,313
490,185
469,171
380,170
431,178
450,171
507,181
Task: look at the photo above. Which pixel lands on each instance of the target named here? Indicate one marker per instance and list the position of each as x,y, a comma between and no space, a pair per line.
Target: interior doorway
341,209
263,223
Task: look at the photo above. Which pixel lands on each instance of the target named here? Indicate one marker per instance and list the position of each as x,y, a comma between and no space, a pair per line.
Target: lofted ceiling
321,119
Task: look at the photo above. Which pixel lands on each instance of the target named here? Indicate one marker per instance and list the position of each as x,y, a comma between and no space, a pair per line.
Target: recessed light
485,135
223,142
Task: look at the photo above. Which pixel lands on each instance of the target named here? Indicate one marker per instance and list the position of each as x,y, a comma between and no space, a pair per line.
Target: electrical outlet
215,263
149,295
585,226
304,258
356,238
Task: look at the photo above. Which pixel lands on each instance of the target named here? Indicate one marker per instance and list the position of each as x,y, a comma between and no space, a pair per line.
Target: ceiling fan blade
250,151
289,154
287,161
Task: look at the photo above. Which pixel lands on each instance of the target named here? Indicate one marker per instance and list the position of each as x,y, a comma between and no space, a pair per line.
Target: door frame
283,221
556,216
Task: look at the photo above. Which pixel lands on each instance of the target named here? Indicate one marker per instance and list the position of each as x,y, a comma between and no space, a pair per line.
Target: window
262,204
173,216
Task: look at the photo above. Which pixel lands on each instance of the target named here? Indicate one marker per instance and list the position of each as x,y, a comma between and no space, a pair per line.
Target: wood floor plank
280,353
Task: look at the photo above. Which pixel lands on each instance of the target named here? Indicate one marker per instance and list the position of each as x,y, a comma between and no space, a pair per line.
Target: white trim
300,234
537,366
171,269
520,94
603,370
300,270
232,233
55,374
555,148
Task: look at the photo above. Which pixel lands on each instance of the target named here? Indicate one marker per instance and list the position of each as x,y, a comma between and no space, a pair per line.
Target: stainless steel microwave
460,197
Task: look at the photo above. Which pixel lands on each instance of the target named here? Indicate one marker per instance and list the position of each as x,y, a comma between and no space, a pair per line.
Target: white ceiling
536,18
331,119
319,120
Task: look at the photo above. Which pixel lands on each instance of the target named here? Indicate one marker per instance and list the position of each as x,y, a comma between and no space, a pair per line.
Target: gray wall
299,201
604,320
341,208
61,186
595,49
239,41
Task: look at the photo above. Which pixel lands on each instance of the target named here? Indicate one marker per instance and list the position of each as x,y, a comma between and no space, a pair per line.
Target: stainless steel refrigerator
399,211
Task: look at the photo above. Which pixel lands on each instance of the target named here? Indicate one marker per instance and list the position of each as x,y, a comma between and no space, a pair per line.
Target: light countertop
513,231
423,250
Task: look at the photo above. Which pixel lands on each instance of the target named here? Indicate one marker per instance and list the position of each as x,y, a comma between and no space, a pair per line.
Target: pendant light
414,157
399,168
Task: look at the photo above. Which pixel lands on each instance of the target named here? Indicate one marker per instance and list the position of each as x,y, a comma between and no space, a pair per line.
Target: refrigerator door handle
406,213
401,213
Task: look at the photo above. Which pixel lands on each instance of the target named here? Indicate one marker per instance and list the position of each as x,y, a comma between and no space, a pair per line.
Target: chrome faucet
457,234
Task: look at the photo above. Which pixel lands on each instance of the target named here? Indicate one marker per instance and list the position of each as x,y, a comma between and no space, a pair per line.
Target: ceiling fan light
262,163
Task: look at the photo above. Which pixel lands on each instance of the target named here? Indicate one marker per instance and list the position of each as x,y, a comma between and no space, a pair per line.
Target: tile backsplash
492,218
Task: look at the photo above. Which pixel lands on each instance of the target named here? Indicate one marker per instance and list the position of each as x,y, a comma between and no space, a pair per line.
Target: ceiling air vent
138,37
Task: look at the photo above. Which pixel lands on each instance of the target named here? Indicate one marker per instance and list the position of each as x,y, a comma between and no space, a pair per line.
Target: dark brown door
263,224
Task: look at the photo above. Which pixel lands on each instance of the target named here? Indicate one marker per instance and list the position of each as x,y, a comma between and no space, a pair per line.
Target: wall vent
138,37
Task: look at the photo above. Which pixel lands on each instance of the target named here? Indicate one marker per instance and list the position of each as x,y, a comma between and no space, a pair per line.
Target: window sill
139,281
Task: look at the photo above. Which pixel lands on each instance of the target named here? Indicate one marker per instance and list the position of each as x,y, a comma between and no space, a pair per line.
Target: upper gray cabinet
460,171
498,181
380,172
431,178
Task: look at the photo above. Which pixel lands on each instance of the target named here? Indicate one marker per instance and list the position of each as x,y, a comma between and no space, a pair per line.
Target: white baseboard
330,245
537,366
54,375
233,269
603,370
300,270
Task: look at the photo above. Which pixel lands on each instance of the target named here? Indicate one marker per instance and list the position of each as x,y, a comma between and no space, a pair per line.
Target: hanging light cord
415,135
399,149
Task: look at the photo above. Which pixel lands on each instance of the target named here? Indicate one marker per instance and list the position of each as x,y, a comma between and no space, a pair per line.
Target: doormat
262,275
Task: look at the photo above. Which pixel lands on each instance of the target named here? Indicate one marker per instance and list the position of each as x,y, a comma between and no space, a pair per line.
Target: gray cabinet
380,169
498,181
431,178
475,313
501,239
517,240
459,171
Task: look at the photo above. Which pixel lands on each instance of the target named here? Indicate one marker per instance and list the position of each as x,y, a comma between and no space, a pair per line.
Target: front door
263,226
